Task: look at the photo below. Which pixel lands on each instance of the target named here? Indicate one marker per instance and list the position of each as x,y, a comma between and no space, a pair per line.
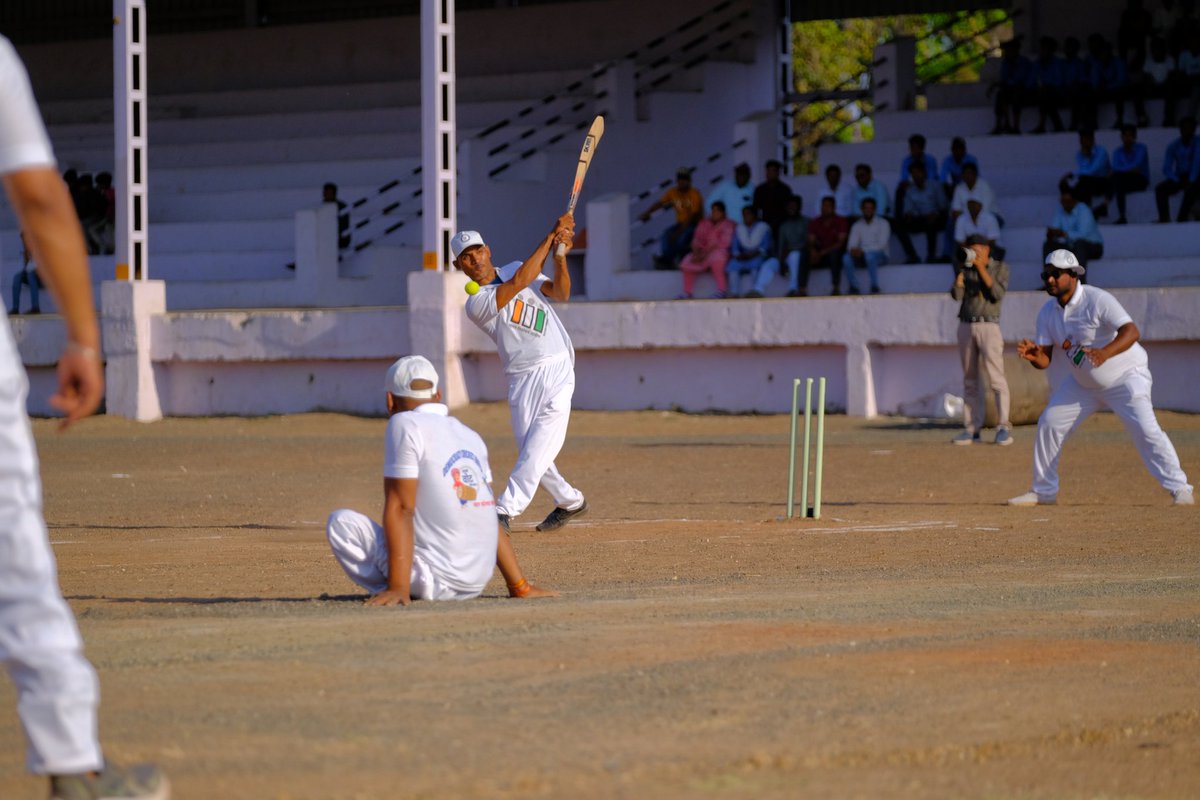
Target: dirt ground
921,639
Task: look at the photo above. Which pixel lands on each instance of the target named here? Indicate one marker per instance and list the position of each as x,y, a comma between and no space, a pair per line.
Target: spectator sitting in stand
1051,82
793,245
974,186
867,246
710,251
753,252
26,276
1160,78
1164,18
1130,169
688,204
1091,176
105,230
1181,173
827,235
1077,83
1109,82
736,193
952,165
1074,228
90,206
771,197
916,155
865,186
1189,68
921,209
977,221
1132,32
329,195
1014,89
841,191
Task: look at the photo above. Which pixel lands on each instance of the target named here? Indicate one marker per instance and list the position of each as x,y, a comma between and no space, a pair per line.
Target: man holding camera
979,284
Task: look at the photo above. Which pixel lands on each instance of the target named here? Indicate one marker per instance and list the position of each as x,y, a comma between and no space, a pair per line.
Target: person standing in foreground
1108,368
538,360
40,645
979,284
440,538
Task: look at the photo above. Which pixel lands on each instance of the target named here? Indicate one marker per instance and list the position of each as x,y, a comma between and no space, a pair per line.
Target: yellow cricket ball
472,287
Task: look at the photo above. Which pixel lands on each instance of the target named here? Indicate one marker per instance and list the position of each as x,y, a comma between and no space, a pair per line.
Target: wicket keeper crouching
440,538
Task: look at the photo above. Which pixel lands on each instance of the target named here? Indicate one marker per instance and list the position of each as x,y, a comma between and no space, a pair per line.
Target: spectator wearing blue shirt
916,155
1074,228
1108,79
1130,168
952,165
1092,172
1015,88
1051,84
1181,173
1076,81
921,209
865,186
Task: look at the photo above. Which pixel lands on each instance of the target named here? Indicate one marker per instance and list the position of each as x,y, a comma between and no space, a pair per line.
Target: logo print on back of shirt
466,474
528,316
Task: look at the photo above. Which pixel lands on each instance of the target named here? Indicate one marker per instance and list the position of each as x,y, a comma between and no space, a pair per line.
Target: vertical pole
820,450
130,179
438,163
787,85
807,426
791,492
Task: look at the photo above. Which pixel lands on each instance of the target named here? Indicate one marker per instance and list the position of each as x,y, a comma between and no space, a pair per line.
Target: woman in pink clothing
710,251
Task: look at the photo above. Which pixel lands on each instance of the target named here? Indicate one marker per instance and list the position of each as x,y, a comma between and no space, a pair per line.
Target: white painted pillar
860,381
608,244
129,309
438,173
130,179
435,321
759,135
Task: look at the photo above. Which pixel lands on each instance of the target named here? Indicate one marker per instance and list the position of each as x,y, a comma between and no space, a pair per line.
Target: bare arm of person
506,560
559,287
47,215
1127,336
532,266
399,503
1036,354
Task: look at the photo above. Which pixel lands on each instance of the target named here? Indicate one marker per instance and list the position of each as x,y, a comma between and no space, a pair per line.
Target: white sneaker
1184,497
1033,499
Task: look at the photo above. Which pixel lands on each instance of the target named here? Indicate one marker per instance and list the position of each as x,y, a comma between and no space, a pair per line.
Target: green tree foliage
835,55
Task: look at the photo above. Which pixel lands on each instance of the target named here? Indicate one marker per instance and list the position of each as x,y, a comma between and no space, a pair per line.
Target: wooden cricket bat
585,160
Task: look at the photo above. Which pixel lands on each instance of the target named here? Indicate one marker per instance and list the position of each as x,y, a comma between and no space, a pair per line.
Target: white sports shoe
1033,499
1184,497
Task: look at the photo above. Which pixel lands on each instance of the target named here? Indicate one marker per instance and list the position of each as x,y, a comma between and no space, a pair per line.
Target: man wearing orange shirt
689,208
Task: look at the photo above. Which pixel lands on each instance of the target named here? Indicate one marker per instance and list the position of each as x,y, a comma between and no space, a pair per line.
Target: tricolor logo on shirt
528,316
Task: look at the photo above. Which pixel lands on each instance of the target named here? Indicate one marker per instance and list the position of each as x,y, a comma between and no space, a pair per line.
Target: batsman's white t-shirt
454,524
527,332
23,140
1090,319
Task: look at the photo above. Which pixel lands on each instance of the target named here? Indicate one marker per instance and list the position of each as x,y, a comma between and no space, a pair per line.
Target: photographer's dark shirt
979,303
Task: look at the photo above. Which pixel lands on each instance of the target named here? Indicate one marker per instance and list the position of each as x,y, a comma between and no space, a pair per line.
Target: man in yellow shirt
689,208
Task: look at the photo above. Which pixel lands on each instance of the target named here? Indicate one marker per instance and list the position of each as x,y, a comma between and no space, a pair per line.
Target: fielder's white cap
464,239
402,374
1065,260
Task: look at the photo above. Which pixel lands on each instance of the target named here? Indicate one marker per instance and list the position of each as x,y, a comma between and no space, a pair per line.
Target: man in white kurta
40,645
512,307
439,538
1107,369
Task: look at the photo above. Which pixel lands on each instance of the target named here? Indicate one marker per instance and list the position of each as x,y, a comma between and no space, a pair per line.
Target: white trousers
540,406
1071,404
40,645
360,546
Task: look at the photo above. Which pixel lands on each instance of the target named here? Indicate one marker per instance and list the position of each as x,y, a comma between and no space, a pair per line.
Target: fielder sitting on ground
440,536
1107,368
538,359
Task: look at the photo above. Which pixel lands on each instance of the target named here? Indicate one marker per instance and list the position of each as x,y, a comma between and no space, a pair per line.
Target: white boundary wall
879,353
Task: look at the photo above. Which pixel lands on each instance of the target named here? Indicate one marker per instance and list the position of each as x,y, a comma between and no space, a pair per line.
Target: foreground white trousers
540,406
1071,404
40,645
360,546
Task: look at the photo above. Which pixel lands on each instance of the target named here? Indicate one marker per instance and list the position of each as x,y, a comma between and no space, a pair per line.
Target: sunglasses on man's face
1047,274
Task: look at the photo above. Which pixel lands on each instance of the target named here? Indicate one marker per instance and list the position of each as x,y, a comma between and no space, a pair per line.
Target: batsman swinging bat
585,159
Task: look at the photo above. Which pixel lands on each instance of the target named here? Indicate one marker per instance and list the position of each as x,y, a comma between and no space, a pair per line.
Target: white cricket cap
464,239
1065,259
400,377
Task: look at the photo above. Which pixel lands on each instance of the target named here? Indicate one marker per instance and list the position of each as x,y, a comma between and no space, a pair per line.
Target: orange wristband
519,589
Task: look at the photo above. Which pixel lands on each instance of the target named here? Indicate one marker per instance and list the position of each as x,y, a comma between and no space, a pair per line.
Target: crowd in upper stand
742,232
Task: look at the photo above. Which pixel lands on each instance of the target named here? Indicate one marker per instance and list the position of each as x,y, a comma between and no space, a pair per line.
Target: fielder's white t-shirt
1091,319
23,140
527,332
454,524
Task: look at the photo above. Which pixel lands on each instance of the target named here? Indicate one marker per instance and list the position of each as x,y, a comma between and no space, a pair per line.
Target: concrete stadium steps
240,237
309,175
978,120
233,206
220,266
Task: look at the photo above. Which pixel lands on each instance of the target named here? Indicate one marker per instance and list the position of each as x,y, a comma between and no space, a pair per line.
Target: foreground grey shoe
560,517
1003,437
141,782
966,437
1184,497
1034,499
